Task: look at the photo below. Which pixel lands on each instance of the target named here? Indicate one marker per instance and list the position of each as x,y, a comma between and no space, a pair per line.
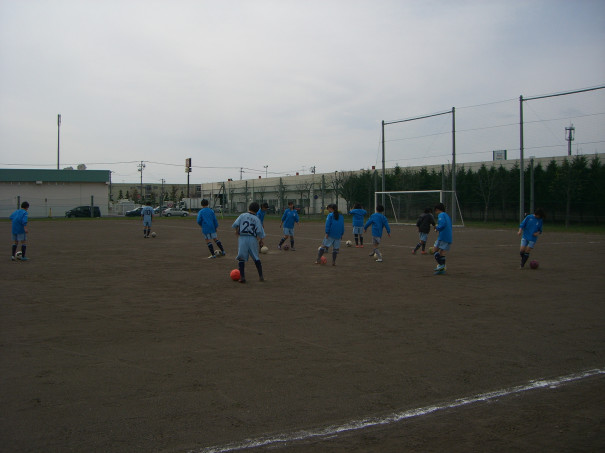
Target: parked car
175,212
83,211
134,213
159,209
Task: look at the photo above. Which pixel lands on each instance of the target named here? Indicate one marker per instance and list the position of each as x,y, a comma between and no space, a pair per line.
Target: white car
176,212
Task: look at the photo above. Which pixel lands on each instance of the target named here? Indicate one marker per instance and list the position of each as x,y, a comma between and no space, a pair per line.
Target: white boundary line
355,425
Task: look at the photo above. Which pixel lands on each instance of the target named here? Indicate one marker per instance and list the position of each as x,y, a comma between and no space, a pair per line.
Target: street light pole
58,137
266,166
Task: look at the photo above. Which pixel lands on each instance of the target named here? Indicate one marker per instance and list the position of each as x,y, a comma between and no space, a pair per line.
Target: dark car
83,211
134,213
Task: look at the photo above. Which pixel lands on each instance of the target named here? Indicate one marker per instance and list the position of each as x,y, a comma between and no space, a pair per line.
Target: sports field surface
115,343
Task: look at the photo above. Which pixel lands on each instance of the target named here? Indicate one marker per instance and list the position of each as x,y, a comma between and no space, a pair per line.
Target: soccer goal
406,206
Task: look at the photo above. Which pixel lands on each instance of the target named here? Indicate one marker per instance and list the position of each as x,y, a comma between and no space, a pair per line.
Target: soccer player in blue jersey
444,240
206,219
529,229
19,230
288,220
335,228
250,234
358,217
261,213
147,214
424,227
378,222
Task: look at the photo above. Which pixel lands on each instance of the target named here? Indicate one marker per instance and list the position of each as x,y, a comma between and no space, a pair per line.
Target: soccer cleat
372,254
223,253
261,279
279,247
292,249
211,257
439,272
242,280
13,258
361,246
440,267
423,252
379,260
413,252
24,258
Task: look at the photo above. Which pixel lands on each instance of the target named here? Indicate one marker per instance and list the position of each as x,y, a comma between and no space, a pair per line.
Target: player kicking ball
442,245
250,234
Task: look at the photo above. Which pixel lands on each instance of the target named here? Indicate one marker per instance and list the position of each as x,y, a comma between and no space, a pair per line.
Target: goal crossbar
405,206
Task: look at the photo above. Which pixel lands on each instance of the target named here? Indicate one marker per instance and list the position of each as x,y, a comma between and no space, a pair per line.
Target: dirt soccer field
115,343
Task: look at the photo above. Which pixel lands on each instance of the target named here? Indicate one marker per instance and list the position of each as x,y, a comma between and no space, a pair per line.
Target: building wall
52,199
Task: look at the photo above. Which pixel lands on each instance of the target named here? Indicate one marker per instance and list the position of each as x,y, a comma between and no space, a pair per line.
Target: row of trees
568,191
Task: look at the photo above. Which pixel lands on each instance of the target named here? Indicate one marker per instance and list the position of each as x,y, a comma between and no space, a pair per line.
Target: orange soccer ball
323,260
235,275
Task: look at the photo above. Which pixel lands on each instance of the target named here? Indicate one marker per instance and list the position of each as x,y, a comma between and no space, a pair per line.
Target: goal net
406,206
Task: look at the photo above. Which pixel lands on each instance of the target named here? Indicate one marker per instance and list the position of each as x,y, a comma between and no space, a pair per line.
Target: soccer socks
356,239
291,243
259,268
417,247
282,241
524,258
423,245
334,255
14,249
23,247
220,245
210,247
361,240
320,252
242,275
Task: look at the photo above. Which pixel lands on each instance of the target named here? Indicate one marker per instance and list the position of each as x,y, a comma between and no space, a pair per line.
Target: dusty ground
115,343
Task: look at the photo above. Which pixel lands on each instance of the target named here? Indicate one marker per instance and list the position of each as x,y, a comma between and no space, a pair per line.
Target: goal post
404,207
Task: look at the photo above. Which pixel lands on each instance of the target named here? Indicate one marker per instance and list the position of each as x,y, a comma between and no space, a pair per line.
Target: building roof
27,175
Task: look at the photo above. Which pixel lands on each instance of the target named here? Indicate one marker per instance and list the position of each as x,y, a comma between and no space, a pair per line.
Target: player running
378,222
206,219
288,220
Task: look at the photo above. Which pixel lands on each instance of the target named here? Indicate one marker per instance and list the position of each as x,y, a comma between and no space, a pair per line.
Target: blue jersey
19,219
378,222
444,226
207,220
261,215
249,225
147,213
289,218
358,216
530,225
335,228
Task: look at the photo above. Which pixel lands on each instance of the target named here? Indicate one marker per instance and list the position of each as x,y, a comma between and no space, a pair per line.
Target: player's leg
334,255
220,246
23,249
259,268
320,252
14,249
356,240
241,264
360,240
524,251
210,247
292,243
282,240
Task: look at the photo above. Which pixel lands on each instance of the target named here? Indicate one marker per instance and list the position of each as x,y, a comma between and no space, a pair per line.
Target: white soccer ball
19,254
153,234
264,249
348,243
217,253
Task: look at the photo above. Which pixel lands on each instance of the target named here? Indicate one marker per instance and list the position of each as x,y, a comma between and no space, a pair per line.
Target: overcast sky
292,84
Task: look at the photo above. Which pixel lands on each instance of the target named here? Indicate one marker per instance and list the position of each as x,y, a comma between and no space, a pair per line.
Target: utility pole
162,197
58,138
266,166
140,168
